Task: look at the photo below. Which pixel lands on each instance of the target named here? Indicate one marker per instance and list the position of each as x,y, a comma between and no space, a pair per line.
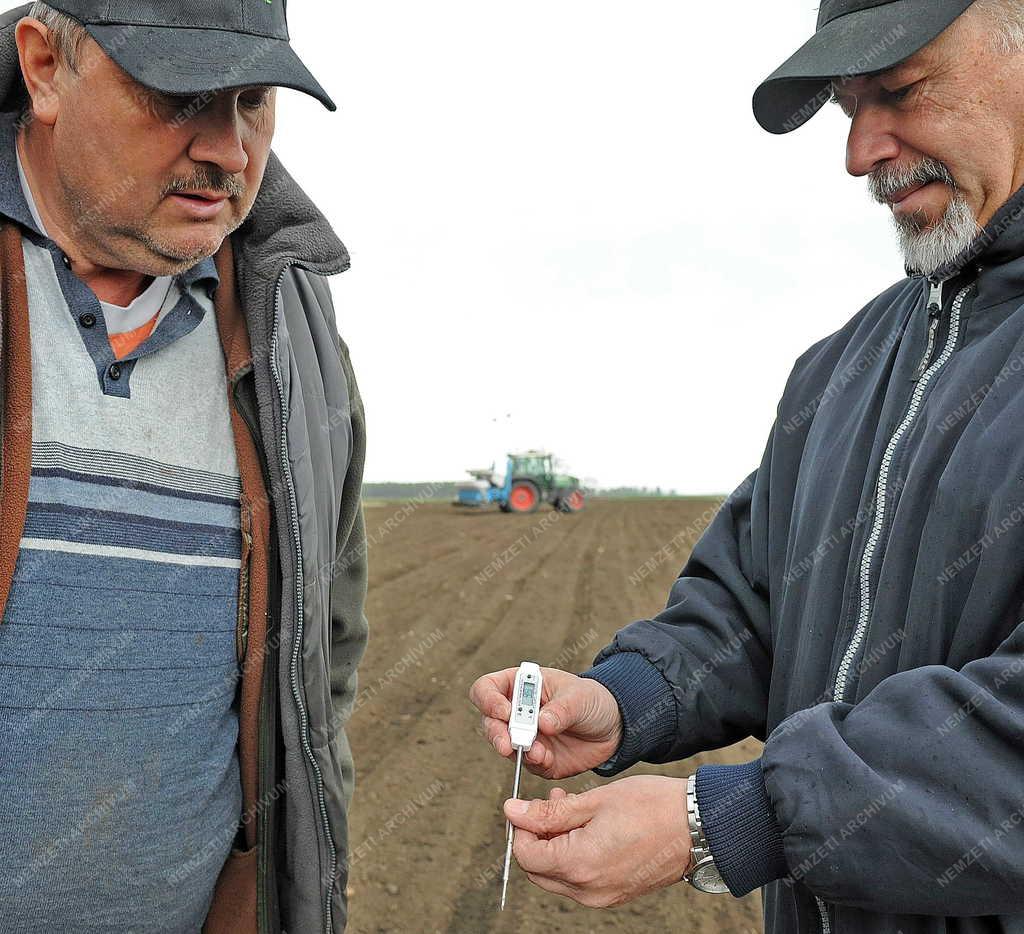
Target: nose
871,142
218,138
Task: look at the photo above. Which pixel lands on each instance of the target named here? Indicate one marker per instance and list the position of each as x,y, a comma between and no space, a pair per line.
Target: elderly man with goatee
858,601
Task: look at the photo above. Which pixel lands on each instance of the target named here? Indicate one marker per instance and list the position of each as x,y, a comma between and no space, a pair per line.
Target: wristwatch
702,873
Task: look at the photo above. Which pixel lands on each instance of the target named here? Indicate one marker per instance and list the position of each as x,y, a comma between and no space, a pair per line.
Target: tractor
529,480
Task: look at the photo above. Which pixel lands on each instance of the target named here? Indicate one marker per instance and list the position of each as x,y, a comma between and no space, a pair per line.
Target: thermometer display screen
529,694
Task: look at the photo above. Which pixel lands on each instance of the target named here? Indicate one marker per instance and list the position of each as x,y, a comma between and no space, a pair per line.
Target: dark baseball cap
194,46
853,37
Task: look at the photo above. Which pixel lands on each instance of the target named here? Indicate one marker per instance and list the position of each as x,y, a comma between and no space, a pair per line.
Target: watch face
707,879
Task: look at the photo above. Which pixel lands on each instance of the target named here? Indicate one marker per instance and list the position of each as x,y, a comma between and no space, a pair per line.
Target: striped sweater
119,780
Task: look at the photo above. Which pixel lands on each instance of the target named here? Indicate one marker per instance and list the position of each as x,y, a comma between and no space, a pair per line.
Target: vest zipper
332,854
268,910
245,527
923,375
325,270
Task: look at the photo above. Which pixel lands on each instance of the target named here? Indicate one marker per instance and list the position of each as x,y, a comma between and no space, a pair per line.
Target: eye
255,102
900,94
178,100
844,103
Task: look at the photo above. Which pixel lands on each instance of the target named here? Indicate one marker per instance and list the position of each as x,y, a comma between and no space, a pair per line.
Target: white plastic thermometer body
522,725
522,729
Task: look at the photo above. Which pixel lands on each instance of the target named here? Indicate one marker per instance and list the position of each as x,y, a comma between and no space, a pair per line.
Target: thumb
560,713
553,815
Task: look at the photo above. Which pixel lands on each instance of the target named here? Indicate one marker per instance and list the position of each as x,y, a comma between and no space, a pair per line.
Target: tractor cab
530,479
532,465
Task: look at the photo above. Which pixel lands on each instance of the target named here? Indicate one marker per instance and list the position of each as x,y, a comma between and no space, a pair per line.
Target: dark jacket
857,604
299,431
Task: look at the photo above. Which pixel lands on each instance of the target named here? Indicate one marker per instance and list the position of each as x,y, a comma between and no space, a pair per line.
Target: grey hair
67,32
67,36
1006,23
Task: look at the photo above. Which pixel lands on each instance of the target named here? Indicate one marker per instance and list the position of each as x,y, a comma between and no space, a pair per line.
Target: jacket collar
1001,241
994,259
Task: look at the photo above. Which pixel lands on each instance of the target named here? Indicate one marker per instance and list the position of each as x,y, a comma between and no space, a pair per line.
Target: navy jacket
857,604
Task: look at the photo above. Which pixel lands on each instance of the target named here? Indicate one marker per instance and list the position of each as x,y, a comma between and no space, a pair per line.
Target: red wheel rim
522,498
575,500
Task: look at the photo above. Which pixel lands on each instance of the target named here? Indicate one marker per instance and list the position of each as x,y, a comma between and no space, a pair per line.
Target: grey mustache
886,182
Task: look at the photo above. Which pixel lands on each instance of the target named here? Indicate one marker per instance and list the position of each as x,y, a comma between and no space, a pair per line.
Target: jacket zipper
923,375
294,664
881,489
826,926
934,316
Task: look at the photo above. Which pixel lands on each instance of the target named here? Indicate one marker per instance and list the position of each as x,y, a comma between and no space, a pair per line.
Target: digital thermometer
522,730
522,725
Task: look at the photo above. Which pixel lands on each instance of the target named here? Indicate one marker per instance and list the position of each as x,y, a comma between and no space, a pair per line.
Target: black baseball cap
194,46
853,37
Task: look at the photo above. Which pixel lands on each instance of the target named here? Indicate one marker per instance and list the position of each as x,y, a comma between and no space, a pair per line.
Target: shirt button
65,260
114,371
87,320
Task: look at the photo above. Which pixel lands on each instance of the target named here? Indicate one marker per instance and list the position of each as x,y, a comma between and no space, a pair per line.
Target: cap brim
860,43
179,60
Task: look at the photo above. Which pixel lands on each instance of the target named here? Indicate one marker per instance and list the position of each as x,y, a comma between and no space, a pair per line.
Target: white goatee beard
925,251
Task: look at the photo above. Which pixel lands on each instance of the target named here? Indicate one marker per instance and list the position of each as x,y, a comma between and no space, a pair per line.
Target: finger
552,815
492,693
544,762
555,793
541,761
562,710
554,886
552,858
496,732
536,754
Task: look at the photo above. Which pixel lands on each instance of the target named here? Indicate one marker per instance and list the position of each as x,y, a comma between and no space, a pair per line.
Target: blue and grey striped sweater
119,783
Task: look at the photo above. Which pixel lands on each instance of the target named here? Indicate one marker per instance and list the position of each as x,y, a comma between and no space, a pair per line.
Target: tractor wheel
523,497
572,503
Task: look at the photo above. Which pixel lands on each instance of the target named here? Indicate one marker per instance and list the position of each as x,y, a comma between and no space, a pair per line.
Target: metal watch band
701,873
698,842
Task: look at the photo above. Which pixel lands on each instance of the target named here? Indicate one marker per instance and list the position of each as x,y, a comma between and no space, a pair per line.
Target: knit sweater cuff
740,826
647,706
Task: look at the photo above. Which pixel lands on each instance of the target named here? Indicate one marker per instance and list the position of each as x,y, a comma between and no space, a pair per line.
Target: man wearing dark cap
182,551
858,601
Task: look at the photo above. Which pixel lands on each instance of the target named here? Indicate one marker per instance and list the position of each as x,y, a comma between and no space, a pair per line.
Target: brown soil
455,594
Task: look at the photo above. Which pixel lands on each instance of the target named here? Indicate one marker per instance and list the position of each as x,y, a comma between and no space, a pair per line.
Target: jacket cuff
740,826
646,703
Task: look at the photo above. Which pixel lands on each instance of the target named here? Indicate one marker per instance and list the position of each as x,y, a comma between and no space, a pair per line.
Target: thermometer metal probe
522,730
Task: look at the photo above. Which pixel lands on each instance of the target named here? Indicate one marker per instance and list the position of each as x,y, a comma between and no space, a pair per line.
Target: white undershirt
119,318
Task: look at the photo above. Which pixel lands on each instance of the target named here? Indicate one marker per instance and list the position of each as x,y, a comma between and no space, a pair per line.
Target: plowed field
456,594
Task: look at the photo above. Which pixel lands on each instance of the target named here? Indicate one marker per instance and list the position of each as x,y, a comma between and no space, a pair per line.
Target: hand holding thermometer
522,729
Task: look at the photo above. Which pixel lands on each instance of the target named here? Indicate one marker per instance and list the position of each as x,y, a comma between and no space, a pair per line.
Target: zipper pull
934,316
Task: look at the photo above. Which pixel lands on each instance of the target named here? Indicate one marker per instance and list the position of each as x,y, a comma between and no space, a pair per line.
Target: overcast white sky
568,231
